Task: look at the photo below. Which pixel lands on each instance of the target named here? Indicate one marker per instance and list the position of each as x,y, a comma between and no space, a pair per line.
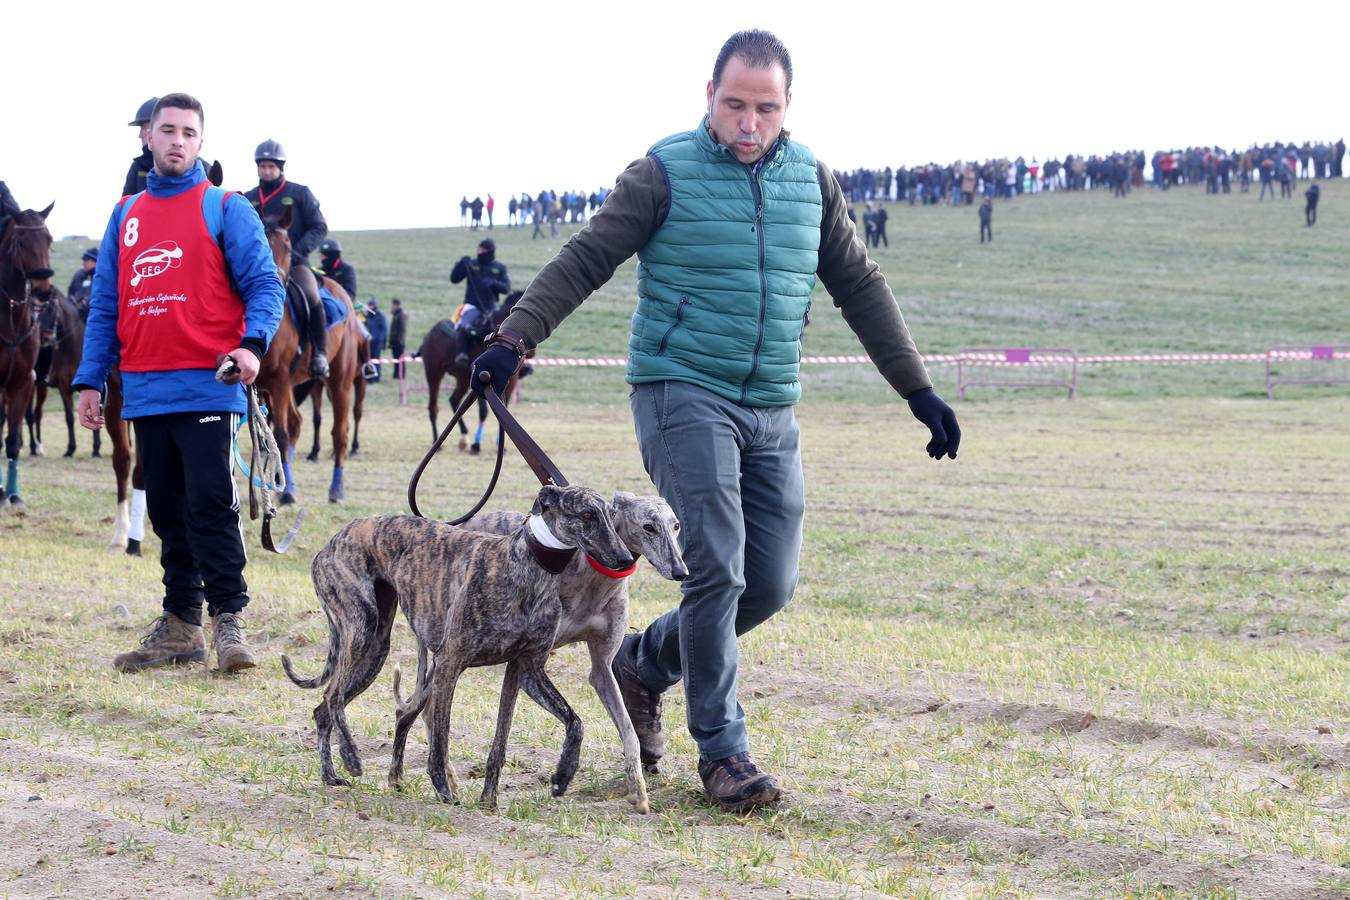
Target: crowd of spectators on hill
547,207
961,182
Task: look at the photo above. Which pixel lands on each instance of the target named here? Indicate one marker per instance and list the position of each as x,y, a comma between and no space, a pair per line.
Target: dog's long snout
680,572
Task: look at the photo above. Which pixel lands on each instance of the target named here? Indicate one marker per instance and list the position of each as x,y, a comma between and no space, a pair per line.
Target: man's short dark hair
757,49
179,101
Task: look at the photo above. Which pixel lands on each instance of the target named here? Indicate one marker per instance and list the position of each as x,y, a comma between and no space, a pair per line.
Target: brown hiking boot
644,706
232,650
736,785
171,642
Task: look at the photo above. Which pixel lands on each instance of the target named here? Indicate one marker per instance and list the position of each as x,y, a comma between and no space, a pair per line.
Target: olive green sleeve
624,223
862,294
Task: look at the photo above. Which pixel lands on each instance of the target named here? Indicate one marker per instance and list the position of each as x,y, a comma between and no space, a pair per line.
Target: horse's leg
461,385
98,444
358,404
339,396
67,401
17,405
477,445
120,436
136,522
316,398
433,397
34,417
286,423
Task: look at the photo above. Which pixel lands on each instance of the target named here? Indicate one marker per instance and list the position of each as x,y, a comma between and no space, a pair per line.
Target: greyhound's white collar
544,535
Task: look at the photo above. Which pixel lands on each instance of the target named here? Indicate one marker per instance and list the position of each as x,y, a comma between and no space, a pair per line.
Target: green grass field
1105,653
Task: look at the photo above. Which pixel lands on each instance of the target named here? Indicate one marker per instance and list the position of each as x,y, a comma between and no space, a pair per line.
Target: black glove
500,362
929,409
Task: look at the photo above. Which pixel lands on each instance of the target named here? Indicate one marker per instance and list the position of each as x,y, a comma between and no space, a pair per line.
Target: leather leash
534,456
270,476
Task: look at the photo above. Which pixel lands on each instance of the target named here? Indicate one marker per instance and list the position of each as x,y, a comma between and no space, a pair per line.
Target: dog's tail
418,696
317,680
398,697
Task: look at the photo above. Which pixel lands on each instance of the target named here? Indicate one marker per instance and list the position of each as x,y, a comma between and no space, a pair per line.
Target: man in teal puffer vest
732,223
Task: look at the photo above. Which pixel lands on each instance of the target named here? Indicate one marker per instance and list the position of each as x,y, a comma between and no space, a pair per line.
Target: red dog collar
612,573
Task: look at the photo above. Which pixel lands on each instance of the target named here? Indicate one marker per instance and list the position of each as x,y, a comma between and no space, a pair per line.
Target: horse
61,330
282,369
358,402
439,349
25,256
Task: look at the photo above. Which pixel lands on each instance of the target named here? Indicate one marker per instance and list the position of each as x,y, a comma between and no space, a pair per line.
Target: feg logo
155,261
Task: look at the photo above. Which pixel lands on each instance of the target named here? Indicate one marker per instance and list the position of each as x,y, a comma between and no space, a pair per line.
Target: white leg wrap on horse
136,529
121,524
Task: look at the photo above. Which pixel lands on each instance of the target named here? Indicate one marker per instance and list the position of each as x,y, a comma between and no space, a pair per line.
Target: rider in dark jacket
141,165
487,279
333,266
273,195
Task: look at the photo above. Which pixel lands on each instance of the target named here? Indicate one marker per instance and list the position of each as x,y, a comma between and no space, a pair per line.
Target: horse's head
26,244
279,240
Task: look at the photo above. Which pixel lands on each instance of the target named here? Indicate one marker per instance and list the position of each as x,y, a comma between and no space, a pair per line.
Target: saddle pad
333,308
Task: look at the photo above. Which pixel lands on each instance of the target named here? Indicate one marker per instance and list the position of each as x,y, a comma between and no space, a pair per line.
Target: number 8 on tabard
132,232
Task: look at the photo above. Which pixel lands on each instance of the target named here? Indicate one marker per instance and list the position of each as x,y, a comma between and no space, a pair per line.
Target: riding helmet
331,247
91,253
145,112
270,150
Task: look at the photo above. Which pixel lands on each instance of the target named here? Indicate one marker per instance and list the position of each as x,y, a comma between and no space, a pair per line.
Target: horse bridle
533,454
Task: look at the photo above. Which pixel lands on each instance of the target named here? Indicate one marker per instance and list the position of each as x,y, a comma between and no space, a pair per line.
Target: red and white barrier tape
989,359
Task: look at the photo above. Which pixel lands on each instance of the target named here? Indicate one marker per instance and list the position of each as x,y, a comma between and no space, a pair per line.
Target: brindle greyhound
496,598
594,610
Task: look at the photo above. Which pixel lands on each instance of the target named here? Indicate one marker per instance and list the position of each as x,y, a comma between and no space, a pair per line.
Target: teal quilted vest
725,283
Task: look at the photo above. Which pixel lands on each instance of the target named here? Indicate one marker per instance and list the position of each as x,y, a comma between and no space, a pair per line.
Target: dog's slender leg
602,679
537,684
323,720
442,697
497,756
369,656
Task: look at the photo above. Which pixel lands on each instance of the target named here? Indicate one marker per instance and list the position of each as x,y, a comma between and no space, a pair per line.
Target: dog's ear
622,499
548,498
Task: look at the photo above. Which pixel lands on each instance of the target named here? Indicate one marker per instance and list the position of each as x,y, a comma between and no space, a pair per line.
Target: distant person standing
141,165
869,225
879,227
987,220
463,211
378,329
1312,194
1338,158
398,334
511,208
476,213
491,205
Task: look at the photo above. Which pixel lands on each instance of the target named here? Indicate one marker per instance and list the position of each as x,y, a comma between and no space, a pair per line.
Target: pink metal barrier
1019,367
1327,364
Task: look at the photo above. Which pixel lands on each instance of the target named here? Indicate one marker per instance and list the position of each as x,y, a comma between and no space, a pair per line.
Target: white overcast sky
391,110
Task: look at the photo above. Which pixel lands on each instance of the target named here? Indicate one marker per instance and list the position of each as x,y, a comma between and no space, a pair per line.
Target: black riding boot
318,322
465,341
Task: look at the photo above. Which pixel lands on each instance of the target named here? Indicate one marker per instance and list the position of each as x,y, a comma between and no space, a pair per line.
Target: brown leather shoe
232,650
736,785
171,642
644,706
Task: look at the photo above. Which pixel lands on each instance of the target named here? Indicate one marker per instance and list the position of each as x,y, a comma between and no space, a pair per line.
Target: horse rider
271,198
186,280
487,279
733,221
141,165
332,265
82,282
